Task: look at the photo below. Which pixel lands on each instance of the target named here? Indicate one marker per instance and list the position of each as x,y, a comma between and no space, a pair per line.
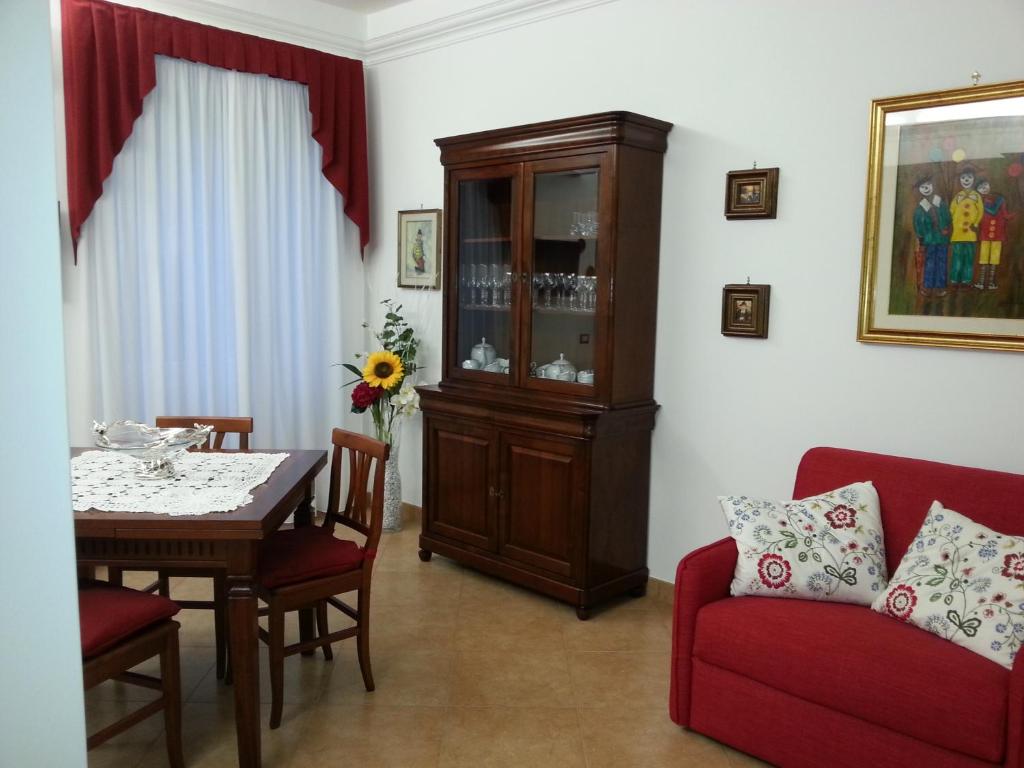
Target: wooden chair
222,426
308,567
121,628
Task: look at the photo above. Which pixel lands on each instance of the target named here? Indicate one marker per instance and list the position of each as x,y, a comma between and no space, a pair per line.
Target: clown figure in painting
966,210
932,225
992,233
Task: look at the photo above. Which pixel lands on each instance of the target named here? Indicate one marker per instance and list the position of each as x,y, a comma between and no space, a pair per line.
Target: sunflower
383,369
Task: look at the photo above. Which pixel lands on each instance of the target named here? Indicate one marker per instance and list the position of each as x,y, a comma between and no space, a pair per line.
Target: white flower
407,401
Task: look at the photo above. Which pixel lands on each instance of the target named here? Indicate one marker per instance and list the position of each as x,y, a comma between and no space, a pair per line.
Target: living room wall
785,84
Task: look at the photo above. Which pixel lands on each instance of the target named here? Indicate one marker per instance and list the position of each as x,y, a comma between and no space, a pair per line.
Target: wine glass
476,285
572,292
506,286
549,288
538,287
496,281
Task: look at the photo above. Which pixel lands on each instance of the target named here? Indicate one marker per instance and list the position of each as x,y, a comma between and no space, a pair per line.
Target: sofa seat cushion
108,614
866,665
301,554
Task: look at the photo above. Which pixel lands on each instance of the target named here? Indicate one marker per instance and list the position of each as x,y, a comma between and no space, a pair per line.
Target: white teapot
483,353
561,370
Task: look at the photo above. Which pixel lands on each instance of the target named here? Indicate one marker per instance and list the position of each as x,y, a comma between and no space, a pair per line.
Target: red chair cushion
108,614
850,659
305,553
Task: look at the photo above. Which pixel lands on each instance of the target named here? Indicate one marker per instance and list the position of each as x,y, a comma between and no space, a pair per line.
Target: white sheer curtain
212,264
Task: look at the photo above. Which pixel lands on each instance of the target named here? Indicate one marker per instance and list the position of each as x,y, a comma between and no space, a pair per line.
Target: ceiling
365,6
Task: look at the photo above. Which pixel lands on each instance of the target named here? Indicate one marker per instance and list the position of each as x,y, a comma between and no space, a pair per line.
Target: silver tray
155,448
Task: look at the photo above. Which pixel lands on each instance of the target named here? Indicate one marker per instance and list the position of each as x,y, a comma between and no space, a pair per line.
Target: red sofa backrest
907,487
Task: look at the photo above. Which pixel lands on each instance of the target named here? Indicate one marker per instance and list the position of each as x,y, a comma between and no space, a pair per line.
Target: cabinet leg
638,591
582,612
425,555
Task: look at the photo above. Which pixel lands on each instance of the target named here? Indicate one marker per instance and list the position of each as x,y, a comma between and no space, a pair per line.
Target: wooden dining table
227,540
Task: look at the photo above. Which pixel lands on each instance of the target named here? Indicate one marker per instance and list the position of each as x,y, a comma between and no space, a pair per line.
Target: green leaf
788,534
934,581
792,543
352,369
936,596
948,599
816,556
808,541
802,557
940,569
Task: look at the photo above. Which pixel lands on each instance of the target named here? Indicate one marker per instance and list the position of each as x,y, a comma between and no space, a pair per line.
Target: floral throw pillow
826,547
963,582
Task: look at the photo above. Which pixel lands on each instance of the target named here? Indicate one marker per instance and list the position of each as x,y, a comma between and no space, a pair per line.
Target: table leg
242,605
307,617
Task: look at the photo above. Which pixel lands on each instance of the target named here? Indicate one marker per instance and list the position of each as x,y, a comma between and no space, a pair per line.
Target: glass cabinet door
563,297
484,328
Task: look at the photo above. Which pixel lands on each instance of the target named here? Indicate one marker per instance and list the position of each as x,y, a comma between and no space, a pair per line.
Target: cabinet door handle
496,492
522,277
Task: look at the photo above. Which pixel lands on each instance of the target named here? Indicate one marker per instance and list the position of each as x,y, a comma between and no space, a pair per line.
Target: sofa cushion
825,547
963,582
853,660
108,614
309,552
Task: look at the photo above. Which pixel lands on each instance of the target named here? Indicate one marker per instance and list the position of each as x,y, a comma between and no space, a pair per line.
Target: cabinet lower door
462,479
543,487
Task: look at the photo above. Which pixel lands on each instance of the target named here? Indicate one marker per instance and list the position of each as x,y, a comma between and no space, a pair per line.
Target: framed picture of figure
419,248
751,194
745,310
943,260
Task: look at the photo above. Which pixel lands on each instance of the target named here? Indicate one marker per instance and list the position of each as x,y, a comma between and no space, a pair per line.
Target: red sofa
805,683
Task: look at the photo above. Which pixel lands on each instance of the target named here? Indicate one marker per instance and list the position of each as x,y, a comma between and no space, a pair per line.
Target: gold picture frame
943,259
419,248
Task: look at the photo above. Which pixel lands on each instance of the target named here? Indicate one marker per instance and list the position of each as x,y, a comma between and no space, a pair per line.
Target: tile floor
470,671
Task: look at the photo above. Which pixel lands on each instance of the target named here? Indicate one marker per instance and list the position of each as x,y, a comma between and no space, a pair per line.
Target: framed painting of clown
943,257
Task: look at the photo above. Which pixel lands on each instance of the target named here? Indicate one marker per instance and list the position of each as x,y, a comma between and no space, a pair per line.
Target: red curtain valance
109,67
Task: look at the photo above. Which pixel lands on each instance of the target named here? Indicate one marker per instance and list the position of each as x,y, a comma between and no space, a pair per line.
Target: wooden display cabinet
533,472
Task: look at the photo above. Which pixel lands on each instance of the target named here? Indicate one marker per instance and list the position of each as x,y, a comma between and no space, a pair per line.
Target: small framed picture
745,310
419,248
751,194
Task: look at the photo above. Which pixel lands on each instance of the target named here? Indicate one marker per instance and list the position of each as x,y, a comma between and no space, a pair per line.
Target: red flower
998,597
842,516
1013,566
858,560
774,571
968,571
945,556
809,528
989,613
852,545
363,396
900,602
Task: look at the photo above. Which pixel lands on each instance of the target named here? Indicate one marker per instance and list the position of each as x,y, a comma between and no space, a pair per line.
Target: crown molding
251,22
487,19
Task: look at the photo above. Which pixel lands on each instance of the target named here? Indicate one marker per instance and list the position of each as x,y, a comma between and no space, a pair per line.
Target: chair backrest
222,426
364,506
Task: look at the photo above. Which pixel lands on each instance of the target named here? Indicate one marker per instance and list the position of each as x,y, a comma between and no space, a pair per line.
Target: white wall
41,711
787,83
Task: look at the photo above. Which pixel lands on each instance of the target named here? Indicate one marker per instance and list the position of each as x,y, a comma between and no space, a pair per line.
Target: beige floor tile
511,625
373,737
741,760
609,679
632,737
421,678
125,749
525,679
620,630
507,737
428,588
396,629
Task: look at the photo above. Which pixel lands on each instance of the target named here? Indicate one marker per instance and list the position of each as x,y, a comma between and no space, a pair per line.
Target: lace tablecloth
203,483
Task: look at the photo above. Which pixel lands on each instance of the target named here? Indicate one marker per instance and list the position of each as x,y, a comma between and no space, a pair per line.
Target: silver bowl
153,447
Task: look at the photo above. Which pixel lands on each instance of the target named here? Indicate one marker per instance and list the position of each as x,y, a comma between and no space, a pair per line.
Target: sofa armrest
1015,715
703,577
